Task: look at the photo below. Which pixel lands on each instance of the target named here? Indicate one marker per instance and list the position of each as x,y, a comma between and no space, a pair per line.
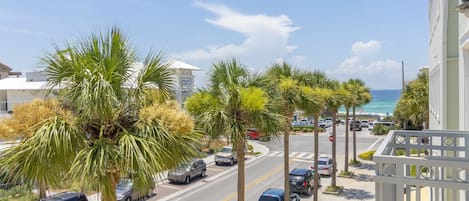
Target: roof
4,66
274,191
299,171
175,64
64,196
14,83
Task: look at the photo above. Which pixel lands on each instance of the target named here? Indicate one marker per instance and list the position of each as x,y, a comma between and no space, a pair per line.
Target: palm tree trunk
286,151
42,189
354,136
316,153
346,138
114,180
240,160
334,141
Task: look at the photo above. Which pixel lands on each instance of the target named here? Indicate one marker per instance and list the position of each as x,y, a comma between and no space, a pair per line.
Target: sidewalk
209,160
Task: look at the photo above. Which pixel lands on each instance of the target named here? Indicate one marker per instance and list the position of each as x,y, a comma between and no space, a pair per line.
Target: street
267,172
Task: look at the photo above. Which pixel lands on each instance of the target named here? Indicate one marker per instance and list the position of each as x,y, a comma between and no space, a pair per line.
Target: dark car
66,196
301,180
358,126
185,172
275,194
125,191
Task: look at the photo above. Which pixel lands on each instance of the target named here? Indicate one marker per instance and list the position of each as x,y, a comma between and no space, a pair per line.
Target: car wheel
232,162
203,173
217,163
128,199
187,180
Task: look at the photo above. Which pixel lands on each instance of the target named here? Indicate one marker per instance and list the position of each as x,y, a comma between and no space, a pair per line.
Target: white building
435,165
18,90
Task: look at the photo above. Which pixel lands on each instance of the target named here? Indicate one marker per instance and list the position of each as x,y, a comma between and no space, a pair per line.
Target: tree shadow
367,166
358,194
363,177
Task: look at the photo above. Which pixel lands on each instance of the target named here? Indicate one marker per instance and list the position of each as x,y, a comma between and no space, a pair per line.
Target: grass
354,163
255,153
334,188
345,174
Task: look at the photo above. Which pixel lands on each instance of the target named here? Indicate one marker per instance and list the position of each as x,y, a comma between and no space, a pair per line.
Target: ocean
382,103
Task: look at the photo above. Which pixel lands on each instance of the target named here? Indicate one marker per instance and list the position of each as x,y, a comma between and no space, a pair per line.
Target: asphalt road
267,172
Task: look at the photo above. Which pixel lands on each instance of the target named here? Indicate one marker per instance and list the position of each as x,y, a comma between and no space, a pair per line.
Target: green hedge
368,156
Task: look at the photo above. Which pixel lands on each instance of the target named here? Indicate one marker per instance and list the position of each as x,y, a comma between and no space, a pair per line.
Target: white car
324,165
226,155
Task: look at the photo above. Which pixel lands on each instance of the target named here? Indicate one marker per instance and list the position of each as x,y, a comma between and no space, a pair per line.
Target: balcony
423,165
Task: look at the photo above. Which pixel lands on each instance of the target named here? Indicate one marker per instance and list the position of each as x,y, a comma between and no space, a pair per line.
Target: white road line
292,154
275,153
302,155
310,156
376,142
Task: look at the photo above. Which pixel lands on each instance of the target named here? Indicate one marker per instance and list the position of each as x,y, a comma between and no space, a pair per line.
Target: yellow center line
256,181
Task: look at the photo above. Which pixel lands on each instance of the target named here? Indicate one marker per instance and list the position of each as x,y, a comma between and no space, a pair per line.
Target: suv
274,194
66,196
125,191
364,123
226,155
301,180
358,126
324,165
185,172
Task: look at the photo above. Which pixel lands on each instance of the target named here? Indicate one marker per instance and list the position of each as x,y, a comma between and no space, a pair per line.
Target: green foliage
253,99
250,147
20,192
379,129
368,155
200,102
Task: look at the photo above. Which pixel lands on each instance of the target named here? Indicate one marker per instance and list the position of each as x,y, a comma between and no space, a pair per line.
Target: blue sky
364,39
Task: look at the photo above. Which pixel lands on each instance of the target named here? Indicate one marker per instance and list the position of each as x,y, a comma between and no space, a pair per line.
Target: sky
345,39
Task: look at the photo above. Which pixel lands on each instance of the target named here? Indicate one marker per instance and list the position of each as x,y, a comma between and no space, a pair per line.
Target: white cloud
377,73
361,48
266,37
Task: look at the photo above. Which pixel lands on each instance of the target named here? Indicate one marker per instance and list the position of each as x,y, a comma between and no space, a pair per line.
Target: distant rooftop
175,64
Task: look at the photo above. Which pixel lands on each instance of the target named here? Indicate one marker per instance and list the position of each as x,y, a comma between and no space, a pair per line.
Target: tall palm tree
348,102
103,136
333,104
362,96
240,104
285,88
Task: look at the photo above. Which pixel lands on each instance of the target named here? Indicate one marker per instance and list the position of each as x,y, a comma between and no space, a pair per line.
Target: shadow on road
363,177
358,194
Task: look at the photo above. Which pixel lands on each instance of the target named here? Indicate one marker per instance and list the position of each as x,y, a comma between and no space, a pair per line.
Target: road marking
275,153
256,181
309,156
215,169
376,142
170,187
292,154
302,155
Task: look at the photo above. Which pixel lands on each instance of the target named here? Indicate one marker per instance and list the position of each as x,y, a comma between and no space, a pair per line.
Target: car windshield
268,198
296,177
124,185
322,162
227,150
184,166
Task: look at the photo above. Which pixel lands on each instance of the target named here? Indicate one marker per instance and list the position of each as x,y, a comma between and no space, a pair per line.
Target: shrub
379,129
368,155
250,147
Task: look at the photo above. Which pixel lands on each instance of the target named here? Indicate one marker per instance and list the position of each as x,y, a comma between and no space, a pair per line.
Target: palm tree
106,131
240,104
348,102
285,88
362,96
333,104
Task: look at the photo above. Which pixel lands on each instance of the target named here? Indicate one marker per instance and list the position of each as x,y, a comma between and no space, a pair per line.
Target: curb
231,170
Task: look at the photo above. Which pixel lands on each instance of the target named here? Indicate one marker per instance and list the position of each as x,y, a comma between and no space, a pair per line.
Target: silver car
186,172
226,155
324,165
125,191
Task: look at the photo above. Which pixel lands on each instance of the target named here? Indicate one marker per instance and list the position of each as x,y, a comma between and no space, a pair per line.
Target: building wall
444,65
464,70
15,97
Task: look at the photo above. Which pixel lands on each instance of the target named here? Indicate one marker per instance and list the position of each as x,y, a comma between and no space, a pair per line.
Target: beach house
435,164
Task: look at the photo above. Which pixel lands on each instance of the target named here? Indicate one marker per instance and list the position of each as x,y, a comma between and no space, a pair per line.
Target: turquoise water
383,102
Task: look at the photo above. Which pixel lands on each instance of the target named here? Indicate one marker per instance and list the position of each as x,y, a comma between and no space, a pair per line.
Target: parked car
66,196
358,126
301,180
254,134
364,123
324,165
226,155
186,172
125,191
275,194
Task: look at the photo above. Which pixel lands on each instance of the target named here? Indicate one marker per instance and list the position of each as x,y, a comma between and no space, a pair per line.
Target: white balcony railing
423,165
